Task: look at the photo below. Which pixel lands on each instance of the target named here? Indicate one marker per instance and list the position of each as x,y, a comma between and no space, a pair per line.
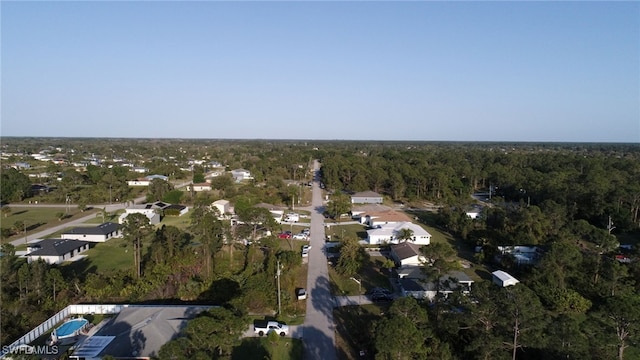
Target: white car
306,248
300,237
305,253
301,294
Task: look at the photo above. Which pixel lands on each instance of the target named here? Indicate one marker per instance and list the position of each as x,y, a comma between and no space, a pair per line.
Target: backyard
37,219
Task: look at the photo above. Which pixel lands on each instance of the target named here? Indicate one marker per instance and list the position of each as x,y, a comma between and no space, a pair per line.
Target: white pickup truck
265,327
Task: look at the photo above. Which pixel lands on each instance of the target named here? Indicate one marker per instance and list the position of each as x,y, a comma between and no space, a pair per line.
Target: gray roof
366,194
102,229
56,247
405,250
140,331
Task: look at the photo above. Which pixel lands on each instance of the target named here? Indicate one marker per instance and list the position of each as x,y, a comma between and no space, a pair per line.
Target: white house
503,279
241,174
153,211
139,170
223,207
100,233
139,182
56,251
388,234
205,186
379,218
407,254
366,197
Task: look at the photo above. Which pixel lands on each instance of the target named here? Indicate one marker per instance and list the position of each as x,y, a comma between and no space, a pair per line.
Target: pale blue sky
448,71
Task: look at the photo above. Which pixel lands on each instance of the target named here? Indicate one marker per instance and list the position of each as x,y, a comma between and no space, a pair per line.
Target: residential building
388,234
407,254
100,233
366,197
241,174
428,290
153,211
56,251
205,186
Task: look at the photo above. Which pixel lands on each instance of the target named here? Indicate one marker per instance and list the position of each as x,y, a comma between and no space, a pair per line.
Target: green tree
404,234
523,317
338,204
621,314
351,257
398,338
14,186
136,228
158,188
6,211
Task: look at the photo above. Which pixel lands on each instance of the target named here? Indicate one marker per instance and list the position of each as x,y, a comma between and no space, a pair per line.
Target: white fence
46,326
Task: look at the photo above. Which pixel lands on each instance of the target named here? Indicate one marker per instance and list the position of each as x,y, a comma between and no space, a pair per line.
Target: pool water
70,327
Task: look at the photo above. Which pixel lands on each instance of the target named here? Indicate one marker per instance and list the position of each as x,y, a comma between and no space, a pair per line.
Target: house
378,218
449,283
366,197
407,254
222,206
153,211
523,255
276,211
388,234
503,279
100,233
56,251
137,332
146,181
241,174
205,186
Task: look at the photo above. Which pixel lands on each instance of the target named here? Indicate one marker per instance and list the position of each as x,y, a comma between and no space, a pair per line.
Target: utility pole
610,226
278,277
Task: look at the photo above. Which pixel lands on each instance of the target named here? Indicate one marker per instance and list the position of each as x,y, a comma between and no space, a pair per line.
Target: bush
172,212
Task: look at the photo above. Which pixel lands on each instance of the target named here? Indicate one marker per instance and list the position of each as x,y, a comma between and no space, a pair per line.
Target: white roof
392,228
503,276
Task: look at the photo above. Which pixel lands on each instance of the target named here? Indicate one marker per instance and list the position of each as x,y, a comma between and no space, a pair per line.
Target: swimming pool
67,332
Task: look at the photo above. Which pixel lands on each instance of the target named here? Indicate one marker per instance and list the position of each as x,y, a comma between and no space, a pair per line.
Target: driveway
318,330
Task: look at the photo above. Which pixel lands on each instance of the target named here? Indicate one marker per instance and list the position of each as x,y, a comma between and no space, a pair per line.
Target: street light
359,289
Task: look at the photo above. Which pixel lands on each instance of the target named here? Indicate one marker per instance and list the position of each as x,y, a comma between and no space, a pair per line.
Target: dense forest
577,202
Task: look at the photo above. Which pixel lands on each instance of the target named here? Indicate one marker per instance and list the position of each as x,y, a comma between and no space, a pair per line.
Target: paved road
77,222
318,329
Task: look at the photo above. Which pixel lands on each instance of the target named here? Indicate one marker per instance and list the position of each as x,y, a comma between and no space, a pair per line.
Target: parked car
264,327
306,231
381,297
301,293
300,236
306,248
284,235
305,253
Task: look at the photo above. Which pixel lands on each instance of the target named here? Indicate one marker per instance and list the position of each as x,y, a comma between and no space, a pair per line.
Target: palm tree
404,234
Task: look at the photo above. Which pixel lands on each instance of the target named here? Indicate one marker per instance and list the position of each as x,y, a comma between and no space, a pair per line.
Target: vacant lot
38,219
354,330
262,348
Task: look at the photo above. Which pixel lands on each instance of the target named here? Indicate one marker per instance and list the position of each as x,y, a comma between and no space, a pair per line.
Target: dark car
381,297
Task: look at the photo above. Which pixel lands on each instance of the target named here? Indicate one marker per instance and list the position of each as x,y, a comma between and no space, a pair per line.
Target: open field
339,232
38,219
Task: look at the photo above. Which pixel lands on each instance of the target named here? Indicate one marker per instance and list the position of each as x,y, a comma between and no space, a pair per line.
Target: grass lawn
181,222
371,276
38,219
262,348
353,330
339,232
104,257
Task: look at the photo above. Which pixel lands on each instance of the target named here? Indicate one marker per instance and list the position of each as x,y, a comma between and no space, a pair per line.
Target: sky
353,70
